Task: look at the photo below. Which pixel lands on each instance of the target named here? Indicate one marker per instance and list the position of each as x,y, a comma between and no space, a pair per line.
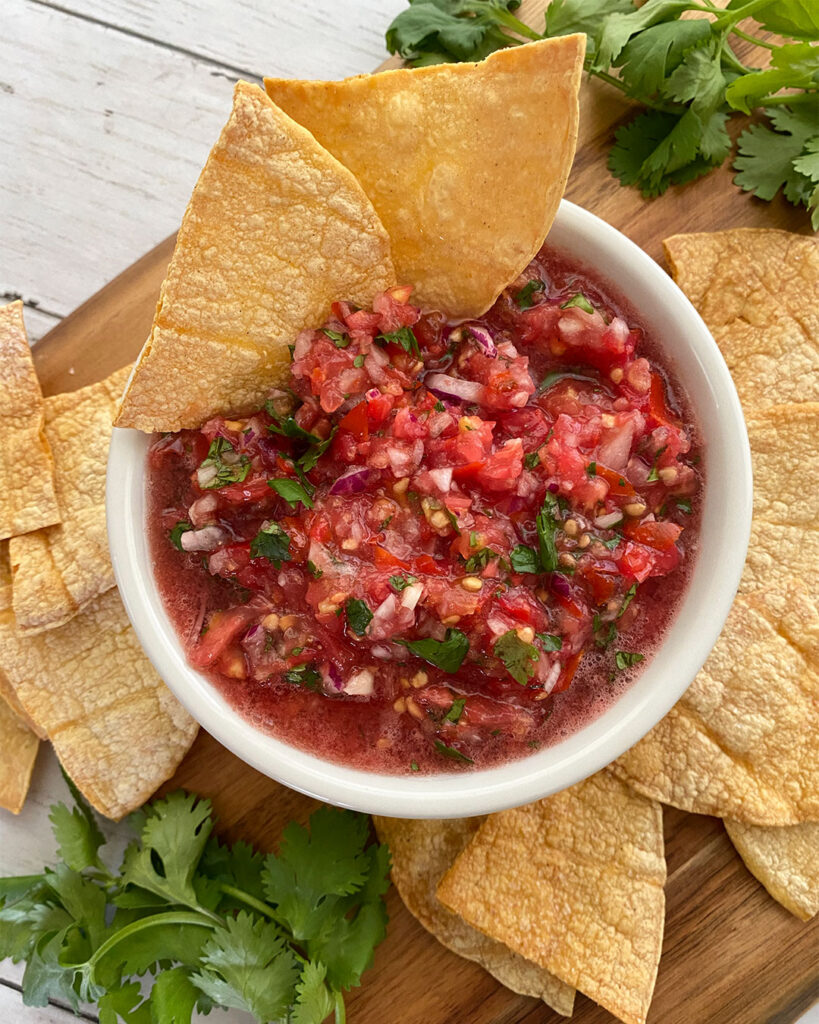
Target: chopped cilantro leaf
455,712
591,469
314,571
524,297
524,559
230,467
625,659
473,538
480,560
452,753
579,300
292,492
439,406
653,474
550,641
175,534
404,337
287,427
272,543
303,675
547,526
447,654
358,362
359,615
315,451
339,339
414,766
519,657
629,597
399,583
532,459
683,505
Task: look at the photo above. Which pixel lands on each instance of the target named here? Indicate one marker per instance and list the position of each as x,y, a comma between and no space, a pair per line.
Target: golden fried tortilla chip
758,291
741,743
27,498
276,230
58,570
422,851
117,729
785,860
573,883
785,453
465,163
18,751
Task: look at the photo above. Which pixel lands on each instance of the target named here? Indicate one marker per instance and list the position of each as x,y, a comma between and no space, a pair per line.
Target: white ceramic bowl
687,347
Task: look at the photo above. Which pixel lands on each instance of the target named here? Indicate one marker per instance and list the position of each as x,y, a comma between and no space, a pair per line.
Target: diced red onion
205,475
372,394
352,482
201,509
606,521
252,631
412,595
331,678
484,339
442,478
361,684
443,385
207,539
560,585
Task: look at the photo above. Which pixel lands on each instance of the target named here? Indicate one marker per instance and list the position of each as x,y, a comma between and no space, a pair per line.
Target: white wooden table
108,109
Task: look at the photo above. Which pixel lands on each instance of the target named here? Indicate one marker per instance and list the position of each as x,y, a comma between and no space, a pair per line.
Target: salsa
443,545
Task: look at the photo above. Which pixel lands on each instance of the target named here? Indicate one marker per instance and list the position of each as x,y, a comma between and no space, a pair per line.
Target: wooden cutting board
731,954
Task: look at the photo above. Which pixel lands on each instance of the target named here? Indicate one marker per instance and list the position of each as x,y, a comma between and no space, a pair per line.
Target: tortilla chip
785,860
465,163
573,883
758,291
117,729
276,230
57,571
18,752
422,851
27,498
785,455
776,551
741,743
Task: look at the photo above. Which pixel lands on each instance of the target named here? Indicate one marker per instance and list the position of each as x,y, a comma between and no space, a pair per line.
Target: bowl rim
705,603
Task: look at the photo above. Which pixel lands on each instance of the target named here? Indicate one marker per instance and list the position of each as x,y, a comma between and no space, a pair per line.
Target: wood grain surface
731,954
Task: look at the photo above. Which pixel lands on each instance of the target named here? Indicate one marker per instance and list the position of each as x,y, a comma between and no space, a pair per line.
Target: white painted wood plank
103,138
12,1011
295,38
38,322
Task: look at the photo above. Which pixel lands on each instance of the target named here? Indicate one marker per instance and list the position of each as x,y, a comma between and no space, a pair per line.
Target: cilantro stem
732,59
789,99
728,18
245,897
340,1009
753,39
513,23
155,920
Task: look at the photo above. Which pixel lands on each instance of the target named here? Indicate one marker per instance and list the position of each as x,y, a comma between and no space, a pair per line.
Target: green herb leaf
524,297
627,599
287,427
272,543
306,675
175,534
524,559
625,659
359,615
447,654
479,561
766,161
292,491
579,300
547,527
339,339
314,571
519,657
452,753
684,505
404,337
532,459
439,406
414,766
230,467
550,641
358,362
649,57
314,1001
78,837
455,712
399,583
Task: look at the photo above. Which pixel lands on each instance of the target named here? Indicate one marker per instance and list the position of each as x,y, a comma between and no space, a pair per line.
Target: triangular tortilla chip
116,728
422,852
785,455
27,498
58,570
573,883
465,163
276,230
741,743
758,291
18,752
785,860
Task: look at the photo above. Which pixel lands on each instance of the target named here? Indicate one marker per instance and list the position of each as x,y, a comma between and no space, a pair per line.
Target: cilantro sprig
684,71
280,936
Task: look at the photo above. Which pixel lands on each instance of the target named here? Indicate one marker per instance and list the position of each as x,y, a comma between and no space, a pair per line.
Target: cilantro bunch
685,71
188,923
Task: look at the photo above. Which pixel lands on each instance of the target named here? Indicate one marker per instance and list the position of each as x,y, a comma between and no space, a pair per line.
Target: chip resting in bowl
275,231
465,164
